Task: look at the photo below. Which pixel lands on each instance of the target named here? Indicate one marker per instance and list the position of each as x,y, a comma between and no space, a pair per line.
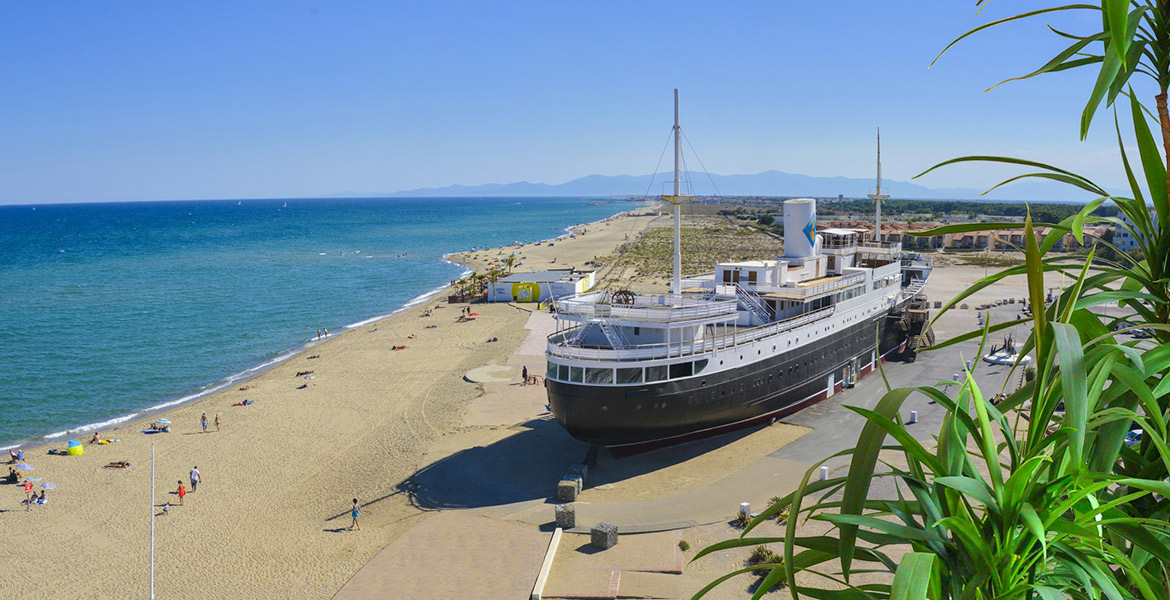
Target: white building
538,287
1122,239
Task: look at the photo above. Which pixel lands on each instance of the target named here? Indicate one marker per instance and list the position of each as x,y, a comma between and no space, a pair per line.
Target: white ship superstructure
750,341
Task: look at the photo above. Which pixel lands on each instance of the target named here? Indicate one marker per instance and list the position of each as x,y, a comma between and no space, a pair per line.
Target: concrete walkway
453,555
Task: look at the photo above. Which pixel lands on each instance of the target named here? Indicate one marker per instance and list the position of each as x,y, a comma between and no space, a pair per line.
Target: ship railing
812,290
560,344
698,281
881,246
663,308
914,288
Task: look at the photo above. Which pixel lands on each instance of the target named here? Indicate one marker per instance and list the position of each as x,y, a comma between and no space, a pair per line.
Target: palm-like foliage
1019,500
999,507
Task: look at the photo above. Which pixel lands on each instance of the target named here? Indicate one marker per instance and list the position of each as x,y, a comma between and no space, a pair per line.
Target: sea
109,311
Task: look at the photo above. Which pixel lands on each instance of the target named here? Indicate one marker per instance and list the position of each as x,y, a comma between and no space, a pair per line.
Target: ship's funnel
800,227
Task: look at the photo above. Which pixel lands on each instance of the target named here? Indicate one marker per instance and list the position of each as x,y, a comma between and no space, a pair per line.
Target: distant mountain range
768,183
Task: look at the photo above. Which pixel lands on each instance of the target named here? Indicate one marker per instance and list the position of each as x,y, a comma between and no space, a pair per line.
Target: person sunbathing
120,464
96,439
242,403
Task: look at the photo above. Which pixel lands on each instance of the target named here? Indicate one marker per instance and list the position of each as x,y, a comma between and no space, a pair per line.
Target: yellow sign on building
525,292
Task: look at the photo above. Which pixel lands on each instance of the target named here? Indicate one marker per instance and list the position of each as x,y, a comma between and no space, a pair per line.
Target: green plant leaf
1110,67
869,444
917,578
1152,165
1014,18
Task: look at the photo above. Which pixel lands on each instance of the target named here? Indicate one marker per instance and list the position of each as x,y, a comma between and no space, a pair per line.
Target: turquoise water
109,310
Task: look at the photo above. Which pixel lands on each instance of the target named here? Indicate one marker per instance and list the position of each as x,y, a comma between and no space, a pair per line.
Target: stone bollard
582,470
567,491
913,417
745,509
577,479
824,473
566,516
603,536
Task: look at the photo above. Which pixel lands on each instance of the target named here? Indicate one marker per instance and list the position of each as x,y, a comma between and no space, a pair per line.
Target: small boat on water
1005,354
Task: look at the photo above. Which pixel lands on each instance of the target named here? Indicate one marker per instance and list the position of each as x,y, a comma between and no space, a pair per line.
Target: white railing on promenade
559,345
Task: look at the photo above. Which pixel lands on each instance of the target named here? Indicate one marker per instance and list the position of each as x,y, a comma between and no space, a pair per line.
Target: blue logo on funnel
809,229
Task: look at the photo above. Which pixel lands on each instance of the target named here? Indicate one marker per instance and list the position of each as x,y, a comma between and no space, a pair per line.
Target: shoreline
281,357
269,518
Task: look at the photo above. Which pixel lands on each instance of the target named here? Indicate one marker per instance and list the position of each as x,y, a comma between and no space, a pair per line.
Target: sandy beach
270,517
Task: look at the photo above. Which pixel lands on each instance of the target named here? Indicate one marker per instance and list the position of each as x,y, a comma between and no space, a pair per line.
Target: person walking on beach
318,335
182,492
524,374
217,421
203,422
326,332
355,512
194,478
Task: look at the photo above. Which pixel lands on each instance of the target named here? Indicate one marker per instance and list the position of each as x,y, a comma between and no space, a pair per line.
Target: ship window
633,375
656,373
598,375
637,330
700,365
563,372
552,369
681,370
577,374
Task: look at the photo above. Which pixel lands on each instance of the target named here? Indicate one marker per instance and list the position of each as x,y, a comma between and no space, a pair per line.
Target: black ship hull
635,418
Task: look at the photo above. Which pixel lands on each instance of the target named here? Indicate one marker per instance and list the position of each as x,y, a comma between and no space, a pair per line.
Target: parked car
1134,437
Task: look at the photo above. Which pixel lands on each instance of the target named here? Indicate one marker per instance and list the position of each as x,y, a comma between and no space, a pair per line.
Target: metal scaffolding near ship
752,341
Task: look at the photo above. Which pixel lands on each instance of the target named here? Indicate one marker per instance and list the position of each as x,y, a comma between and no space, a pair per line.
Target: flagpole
152,522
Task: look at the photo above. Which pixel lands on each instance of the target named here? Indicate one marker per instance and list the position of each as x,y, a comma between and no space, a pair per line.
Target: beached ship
750,342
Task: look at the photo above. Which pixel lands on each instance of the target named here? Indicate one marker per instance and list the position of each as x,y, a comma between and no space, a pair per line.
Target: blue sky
142,100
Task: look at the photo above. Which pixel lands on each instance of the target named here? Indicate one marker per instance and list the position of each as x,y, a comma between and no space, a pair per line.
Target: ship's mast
677,199
676,280
878,196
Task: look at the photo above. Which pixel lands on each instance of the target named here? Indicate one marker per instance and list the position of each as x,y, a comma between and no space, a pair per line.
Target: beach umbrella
25,467
163,421
48,486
